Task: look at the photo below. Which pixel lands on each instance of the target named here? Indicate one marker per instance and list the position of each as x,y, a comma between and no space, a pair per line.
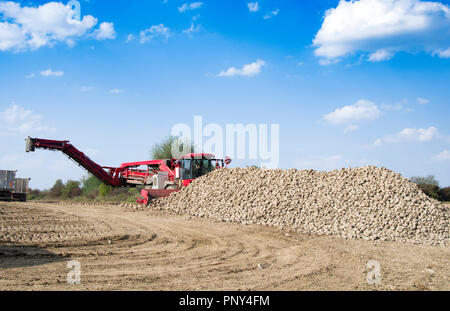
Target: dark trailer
12,188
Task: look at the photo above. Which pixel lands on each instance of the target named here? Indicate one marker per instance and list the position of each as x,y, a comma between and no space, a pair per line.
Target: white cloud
382,28
11,36
189,6
443,156
351,128
247,70
408,134
328,61
130,38
115,91
420,134
30,76
18,120
423,101
29,28
105,32
70,43
442,53
155,31
363,110
51,73
192,29
381,55
253,6
271,14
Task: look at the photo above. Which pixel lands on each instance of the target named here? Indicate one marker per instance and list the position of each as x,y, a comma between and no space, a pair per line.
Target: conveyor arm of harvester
110,178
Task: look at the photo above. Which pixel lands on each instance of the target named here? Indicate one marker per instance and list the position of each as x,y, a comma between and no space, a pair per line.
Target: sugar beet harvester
158,177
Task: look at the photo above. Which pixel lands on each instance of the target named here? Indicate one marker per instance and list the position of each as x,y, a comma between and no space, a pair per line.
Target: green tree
90,186
163,150
56,190
428,184
444,194
71,189
104,190
428,180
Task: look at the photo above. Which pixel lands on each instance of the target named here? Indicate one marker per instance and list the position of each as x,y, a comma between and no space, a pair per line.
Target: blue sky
349,83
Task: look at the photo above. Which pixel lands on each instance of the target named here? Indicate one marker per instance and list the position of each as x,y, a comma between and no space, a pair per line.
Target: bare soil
126,249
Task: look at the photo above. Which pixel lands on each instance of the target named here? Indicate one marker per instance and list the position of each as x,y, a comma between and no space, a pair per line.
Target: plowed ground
127,249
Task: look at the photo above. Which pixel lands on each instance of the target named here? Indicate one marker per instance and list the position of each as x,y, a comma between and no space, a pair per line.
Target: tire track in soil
127,249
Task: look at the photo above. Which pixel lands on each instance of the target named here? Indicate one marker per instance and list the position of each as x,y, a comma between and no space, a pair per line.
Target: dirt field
125,249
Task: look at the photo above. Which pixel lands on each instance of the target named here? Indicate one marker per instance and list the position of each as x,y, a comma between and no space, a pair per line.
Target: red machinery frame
128,174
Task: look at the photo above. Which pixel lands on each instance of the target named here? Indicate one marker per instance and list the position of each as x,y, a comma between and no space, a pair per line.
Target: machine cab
195,165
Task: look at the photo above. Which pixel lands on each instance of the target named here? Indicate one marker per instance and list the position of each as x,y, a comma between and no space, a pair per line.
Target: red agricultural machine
158,177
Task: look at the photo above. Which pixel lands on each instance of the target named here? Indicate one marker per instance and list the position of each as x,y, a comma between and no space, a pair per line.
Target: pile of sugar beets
367,203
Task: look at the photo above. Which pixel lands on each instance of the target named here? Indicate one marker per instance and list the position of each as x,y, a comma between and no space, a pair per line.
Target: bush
71,190
34,194
429,185
429,180
444,194
430,190
56,190
91,186
104,190
75,192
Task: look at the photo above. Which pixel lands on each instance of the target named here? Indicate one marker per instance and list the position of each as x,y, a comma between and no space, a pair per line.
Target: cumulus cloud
105,32
363,110
115,91
408,134
253,6
420,134
51,73
18,120
155,31
443,156
271,14
189,6
30,28
247,70
381,28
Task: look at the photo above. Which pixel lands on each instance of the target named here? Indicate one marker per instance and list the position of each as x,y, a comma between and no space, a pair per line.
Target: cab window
186,172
